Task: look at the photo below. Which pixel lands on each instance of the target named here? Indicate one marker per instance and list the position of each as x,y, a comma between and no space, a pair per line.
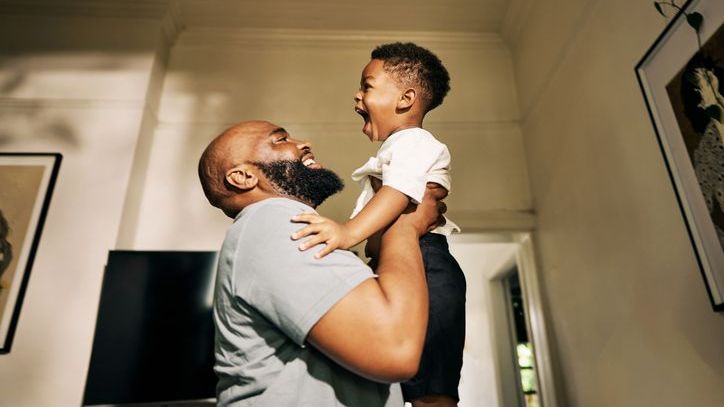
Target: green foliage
525,354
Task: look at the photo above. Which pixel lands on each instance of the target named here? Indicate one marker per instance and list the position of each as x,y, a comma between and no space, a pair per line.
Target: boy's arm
378,329
385,206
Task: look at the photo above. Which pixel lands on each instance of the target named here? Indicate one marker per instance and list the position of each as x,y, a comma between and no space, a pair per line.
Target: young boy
400,84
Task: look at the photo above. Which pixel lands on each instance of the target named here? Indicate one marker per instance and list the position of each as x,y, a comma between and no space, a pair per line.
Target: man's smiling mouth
309,162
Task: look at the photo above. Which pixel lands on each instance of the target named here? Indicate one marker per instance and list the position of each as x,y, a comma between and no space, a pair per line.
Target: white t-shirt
406,161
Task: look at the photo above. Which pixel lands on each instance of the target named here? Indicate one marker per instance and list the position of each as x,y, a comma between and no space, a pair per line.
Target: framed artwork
682,79
26,185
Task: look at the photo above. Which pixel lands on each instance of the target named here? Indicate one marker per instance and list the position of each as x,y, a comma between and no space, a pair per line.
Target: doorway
506,362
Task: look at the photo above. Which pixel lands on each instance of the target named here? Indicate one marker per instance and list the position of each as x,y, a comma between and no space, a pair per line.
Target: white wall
630,316
304,81
75,86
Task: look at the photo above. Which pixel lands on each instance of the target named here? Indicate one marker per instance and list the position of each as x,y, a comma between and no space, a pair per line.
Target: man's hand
428,215
432,201
325,230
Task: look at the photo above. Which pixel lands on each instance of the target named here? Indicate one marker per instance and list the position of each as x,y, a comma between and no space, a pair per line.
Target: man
272,299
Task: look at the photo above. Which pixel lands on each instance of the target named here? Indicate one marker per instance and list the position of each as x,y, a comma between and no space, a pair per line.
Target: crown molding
499,220
475,127
515,19
351,127
172,22
35,104
264,38
127,9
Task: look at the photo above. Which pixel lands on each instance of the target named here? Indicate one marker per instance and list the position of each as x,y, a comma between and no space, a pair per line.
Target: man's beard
291,177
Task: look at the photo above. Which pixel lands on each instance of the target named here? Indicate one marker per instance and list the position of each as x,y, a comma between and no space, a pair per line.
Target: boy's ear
407,99
243,177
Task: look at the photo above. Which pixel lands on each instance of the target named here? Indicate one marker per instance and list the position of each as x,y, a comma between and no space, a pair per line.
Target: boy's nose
357,96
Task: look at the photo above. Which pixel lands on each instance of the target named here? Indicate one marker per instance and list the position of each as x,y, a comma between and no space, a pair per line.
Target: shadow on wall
23,120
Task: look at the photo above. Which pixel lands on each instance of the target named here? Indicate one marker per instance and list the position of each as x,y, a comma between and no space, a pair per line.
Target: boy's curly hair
411,64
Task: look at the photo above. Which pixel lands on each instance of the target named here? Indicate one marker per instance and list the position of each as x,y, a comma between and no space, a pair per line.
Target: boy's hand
324,230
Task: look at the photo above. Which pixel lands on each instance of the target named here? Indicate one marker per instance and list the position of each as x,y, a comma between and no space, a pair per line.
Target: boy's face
376,101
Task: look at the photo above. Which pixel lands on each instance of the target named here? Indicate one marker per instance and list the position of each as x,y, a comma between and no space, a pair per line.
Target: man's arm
378,329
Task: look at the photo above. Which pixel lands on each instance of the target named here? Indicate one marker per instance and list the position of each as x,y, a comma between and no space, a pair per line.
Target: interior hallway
545,122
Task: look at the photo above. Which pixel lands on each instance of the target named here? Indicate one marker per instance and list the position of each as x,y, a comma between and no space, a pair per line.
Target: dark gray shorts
442,356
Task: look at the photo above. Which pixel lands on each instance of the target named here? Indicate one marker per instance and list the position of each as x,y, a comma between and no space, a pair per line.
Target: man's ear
242,176
407,99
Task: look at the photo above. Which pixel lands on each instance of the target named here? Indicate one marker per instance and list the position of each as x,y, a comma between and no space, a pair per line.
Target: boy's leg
437,380
435,401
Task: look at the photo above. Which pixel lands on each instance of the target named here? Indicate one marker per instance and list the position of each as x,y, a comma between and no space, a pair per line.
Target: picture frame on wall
26,186
682,80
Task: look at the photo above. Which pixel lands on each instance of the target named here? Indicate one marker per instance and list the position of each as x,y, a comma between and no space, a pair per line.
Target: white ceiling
473,16
366,15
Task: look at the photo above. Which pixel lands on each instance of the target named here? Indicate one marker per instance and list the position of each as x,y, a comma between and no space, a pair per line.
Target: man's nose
303,145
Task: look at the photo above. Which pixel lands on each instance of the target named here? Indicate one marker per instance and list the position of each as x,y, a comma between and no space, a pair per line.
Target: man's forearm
378,329
402,281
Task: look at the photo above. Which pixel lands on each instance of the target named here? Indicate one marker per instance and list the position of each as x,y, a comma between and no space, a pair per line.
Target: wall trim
537,323
262,38
494,220
460,127
55,103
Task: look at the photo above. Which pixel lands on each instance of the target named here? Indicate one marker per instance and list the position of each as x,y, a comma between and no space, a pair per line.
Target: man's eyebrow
278,130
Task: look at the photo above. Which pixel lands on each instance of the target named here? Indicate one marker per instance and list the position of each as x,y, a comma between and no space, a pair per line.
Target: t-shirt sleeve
289,287
411,160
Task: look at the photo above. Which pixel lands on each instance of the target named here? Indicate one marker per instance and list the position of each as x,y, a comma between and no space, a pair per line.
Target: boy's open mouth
366,116
362,113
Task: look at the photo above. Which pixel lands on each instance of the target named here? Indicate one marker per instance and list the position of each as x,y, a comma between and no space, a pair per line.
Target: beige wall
77,86
304,81
631,321
90,88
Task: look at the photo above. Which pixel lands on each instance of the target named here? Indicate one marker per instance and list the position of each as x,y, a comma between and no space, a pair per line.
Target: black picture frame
27,181
663,74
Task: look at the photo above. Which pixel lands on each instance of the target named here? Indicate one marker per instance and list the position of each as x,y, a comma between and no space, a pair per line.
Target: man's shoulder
272,209
270,218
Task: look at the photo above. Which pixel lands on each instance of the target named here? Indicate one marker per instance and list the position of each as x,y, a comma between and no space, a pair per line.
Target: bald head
232,148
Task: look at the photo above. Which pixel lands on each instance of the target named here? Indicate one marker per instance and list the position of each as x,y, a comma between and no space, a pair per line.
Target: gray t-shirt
269,294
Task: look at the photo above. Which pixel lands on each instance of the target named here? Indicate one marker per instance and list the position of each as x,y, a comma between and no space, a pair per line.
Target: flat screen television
154,337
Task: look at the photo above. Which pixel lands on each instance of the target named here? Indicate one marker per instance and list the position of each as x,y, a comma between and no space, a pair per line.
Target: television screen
154,338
